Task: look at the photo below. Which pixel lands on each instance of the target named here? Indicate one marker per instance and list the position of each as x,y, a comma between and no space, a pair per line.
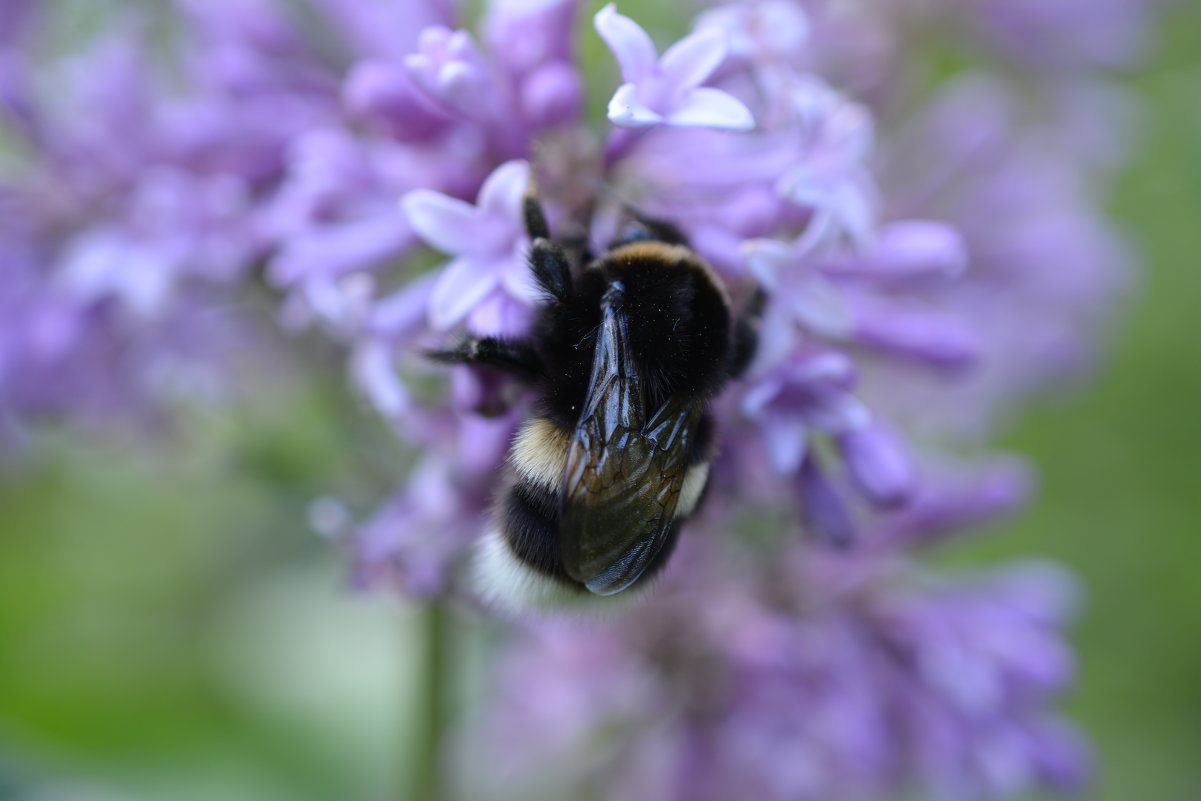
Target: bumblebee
627,352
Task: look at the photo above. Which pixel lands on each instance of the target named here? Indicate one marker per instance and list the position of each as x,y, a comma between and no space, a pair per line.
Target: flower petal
626,110
879,463
822,506
464,283
518,280
329,251
766,259
447,223
631,45
706,107
919,248
501,315
943,342
403,312
501,194
819,307
786,440
688,62
376,376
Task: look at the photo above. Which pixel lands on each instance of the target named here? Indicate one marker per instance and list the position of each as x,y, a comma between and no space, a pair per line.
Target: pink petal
705,107
626,110
464,283
631,45
449,224
688,62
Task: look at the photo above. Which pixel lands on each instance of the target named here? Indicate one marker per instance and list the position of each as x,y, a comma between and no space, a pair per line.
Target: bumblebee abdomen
519,564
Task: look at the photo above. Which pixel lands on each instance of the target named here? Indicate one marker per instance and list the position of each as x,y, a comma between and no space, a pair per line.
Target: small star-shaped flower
667,90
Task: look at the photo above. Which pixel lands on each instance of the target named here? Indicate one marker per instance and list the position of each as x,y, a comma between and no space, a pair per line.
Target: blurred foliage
169,628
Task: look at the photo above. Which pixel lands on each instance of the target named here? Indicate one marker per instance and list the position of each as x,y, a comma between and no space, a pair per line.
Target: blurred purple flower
1044,268
840,677
1073,34
113,282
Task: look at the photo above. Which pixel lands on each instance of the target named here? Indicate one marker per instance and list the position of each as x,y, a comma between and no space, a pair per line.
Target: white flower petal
626,110
705,107
688,62
631,45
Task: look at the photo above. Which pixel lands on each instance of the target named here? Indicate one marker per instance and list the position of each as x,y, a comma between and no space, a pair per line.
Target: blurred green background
170,628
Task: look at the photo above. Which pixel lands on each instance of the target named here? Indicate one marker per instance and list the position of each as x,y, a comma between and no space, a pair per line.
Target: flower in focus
668,90
489,274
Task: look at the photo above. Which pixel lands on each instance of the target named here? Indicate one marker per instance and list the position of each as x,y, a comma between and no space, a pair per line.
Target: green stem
433,705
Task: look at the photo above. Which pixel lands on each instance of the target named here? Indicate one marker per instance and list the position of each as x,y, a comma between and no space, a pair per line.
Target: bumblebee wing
623,473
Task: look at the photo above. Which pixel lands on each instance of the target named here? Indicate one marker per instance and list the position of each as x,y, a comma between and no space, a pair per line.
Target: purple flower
533,41
812,390
858,677
1070,34
668,90
1043,268
905,243
762,32
489,279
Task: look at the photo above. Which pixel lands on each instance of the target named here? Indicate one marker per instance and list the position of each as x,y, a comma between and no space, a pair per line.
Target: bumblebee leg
551,268
548,260
514,357
746,333
531,208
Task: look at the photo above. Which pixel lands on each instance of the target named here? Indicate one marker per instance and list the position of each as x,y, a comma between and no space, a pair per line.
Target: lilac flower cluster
929,255
129,217
853,687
